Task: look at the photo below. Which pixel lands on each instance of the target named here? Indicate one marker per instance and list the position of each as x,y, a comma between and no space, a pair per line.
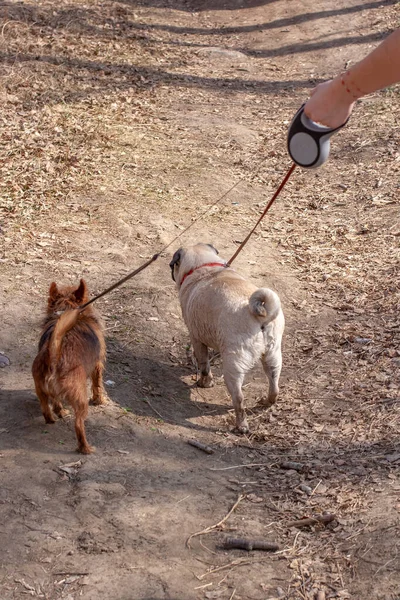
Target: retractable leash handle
308,142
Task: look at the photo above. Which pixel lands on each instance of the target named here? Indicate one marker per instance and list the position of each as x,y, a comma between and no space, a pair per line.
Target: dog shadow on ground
23,427
159,388
143,386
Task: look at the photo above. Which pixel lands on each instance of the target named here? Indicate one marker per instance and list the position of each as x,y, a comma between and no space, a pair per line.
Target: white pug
225,312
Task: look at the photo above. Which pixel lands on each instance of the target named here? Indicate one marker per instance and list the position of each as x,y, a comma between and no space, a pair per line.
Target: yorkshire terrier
71,349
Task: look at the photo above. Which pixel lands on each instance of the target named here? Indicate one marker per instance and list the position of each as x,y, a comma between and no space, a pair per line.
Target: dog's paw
98,400
206,381
50,420
86,449
267,401
243,427
63,413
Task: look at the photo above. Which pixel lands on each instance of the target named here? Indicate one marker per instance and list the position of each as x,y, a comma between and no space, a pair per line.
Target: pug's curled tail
265,305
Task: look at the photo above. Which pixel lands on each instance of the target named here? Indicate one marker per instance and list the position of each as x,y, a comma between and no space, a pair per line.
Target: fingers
329,105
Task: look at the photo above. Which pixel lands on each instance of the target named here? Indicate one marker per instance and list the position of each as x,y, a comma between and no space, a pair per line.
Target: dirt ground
121,121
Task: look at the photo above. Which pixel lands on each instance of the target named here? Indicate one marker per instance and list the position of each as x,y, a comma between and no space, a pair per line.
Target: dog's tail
65,322
265,304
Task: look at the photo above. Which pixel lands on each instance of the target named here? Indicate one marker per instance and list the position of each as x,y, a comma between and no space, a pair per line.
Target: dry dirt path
121,121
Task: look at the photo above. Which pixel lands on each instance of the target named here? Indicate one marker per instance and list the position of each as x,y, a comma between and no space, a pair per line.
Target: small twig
247,544
240,466
340,574
302,596
154,409
311,521
316,487
80,573
234,563
353,535
200,446
182,499
200,587
211,527
292,548
26,585
206,548
233,593
303,581
248,447
385,565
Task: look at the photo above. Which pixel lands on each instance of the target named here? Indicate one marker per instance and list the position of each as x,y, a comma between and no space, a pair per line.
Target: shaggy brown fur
71,349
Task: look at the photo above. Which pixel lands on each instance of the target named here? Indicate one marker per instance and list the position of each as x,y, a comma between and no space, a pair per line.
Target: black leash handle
308,142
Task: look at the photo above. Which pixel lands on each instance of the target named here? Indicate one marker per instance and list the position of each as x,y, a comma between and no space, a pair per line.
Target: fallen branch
291,465
246,544
212,527
311,521
200,446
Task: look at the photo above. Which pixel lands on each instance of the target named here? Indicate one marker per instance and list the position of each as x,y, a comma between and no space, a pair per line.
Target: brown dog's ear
176,259
215,250
54,295
53,291
81,292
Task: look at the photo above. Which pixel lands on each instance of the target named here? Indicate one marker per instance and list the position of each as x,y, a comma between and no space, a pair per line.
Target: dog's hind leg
203,362
59,409
81,411
234,380
272,365
99,395
75,392
45,404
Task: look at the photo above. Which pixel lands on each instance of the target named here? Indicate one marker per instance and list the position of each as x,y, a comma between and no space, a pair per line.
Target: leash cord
121,281
270,203
201,216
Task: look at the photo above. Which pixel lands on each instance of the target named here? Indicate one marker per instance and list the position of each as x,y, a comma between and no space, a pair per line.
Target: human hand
330,104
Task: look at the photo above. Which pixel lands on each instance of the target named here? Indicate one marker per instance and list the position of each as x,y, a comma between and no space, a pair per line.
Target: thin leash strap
204,213
270,203
155,256
121,281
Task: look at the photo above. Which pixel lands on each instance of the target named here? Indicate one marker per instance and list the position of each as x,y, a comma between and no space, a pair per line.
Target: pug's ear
176,259
81,292
215,250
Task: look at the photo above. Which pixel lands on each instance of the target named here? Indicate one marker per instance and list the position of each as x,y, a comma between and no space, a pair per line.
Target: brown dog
224,311
71,349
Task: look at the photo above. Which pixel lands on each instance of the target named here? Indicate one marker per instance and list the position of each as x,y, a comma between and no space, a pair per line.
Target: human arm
332,102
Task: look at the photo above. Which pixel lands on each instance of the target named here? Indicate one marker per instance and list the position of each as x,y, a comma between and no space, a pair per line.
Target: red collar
214,264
